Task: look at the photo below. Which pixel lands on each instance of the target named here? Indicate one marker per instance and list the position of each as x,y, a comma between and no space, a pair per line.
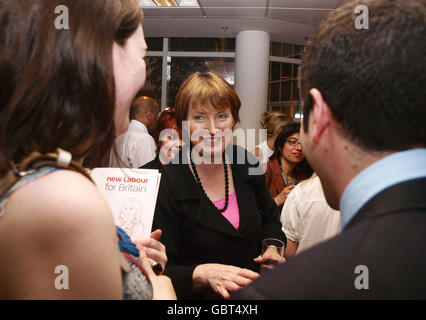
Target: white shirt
306,217
135,147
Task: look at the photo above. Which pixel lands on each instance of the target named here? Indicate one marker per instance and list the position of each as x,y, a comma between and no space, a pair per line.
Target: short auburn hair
206,88
167,120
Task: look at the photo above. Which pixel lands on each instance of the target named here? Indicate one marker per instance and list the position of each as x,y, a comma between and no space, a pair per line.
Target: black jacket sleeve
272,227
166,218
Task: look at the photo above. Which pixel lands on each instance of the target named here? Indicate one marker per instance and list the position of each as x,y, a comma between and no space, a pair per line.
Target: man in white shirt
137,147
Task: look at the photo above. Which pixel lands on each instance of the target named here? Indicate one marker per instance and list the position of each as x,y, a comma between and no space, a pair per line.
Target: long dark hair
57,85
302,170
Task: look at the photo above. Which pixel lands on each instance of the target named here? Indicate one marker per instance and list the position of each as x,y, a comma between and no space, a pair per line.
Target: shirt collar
393,169
135,124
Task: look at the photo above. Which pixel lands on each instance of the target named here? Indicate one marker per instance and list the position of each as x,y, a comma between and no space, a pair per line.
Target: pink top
232,213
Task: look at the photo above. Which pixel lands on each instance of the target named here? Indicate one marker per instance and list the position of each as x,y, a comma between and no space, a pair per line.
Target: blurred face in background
292,149
170,144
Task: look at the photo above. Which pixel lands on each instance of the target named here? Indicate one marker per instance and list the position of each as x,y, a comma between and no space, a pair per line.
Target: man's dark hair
373,79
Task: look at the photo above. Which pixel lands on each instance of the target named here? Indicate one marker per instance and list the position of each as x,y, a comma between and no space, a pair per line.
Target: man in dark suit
363,101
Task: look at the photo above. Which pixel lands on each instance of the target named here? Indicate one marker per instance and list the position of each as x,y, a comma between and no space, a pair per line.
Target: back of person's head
372,79
57,85
143,105
204,89
274,121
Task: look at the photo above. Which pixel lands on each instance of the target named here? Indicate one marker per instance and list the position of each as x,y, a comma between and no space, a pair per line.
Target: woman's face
170,144
210,129
292,149
129,75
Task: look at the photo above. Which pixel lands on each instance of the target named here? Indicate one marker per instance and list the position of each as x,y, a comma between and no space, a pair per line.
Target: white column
252,76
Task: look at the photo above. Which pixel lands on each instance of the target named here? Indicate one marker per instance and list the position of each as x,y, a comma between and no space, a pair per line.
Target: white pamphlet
131,195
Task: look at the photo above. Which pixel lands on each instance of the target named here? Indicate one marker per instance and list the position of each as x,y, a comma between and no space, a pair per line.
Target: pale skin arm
62,220
223,279
270,254
282,197
291,248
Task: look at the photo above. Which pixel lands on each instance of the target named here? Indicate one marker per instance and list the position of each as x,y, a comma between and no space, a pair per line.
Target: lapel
246,199
409,195
205,212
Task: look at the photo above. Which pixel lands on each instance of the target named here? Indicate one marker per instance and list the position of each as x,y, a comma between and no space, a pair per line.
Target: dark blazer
387,236
153,164
274,179
195,232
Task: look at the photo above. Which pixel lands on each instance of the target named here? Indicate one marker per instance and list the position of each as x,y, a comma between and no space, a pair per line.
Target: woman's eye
223,116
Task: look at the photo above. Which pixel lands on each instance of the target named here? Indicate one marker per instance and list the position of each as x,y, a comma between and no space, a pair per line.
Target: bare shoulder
62,220
63,189
65,199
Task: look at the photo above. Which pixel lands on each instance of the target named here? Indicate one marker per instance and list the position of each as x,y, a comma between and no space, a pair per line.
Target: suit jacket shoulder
378,256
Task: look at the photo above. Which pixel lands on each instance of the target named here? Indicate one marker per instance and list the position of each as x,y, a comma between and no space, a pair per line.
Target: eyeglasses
293,142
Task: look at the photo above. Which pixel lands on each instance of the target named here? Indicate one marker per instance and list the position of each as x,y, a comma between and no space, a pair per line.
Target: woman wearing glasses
287,165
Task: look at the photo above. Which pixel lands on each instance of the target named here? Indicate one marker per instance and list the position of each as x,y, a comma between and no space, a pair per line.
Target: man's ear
321,114
149,116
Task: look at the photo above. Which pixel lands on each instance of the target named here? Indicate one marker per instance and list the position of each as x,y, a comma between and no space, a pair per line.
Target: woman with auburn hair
169,141
65,95
287,166
213,213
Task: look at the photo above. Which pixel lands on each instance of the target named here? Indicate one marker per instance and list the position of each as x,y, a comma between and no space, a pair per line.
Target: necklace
197,178
282,172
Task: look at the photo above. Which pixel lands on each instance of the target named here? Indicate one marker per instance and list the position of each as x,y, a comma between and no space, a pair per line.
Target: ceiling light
187,3
166,3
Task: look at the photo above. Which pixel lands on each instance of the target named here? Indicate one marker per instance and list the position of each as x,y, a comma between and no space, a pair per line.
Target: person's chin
212,153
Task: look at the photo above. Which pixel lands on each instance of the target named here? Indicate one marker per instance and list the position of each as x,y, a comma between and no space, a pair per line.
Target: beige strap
7,182
35,161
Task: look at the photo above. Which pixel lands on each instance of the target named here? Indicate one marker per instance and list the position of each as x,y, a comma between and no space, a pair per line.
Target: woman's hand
162,286
221,278
282,197
271,255
153,248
